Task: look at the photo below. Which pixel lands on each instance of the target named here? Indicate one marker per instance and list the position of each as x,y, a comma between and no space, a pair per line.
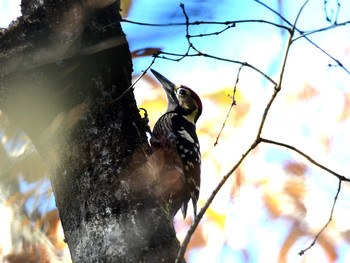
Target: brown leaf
125,7
150,51
296,168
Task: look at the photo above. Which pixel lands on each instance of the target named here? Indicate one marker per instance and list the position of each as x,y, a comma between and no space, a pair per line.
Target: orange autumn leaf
307,93
329,247
346,109
294,234
238,182
327,142
52,224
272,204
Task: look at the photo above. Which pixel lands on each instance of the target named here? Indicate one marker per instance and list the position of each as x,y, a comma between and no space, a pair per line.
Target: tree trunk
63,66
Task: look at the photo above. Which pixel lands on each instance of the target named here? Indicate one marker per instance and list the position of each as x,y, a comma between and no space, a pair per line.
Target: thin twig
217,58
258,137
337,14
325,226
290,43
214,33
325,10
321,30
187,25
198,218
279,86
181,56
273,11
329,19
196,23
231,106
339,176
308,39
133,84
242,63
199,53
188,37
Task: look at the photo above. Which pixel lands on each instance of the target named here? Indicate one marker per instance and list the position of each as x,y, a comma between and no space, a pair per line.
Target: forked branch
192,51
253,146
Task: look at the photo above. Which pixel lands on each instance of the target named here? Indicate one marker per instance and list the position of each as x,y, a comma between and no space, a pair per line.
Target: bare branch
188,37
279,86
290,43
321,30
330,18
325,226
246,64
215,33
308,39
275,12
187,30
196,23
231,106
340,177
199,53
197,219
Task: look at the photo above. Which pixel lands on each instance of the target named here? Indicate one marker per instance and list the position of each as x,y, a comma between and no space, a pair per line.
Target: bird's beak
168,86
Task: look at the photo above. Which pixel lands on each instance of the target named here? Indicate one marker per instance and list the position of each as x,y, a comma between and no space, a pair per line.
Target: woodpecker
176,147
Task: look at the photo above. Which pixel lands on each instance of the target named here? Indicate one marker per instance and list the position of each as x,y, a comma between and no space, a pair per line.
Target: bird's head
181,99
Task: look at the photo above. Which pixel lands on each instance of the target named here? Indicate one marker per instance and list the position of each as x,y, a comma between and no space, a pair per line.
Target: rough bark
62,66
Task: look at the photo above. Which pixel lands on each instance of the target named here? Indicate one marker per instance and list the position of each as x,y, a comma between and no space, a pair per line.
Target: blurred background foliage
276,201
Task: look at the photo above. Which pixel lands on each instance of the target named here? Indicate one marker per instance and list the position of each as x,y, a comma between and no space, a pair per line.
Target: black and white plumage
176,148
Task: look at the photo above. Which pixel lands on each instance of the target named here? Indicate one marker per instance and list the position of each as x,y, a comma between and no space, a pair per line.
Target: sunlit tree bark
63,68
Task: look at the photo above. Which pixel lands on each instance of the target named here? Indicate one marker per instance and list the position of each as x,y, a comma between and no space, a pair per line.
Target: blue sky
9,10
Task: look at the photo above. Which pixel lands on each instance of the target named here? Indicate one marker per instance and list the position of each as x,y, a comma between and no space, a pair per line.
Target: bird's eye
182,92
